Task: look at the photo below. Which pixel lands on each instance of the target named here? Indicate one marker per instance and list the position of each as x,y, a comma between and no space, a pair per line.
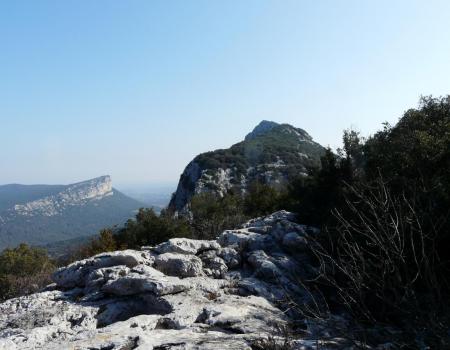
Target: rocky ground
229,293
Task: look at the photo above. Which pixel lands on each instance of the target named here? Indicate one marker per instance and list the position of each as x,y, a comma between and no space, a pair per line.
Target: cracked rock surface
181,294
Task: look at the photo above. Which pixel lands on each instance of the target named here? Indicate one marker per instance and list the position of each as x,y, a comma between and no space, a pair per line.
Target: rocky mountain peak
272,154
262,128
269,127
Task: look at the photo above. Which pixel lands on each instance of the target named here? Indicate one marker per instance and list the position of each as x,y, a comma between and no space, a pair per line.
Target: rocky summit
228,293
272,154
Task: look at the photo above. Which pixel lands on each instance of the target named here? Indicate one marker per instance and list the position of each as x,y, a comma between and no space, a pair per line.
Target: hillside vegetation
272,154
280,142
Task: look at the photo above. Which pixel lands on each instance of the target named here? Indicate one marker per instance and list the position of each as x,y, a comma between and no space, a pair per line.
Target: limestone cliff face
186,186
75,194
272,154
41,214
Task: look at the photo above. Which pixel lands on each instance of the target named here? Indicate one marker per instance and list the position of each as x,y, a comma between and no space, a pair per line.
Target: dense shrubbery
383,205
150,229
147,228
23,270
212,214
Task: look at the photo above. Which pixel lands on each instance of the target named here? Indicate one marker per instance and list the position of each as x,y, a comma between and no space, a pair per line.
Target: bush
381,250
314,197
414,156
147,228
150,229
23,270
104,242
262,199
211,214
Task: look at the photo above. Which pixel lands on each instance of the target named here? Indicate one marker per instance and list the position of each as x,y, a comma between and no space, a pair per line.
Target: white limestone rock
264,267
76,273
230,256
186,246
294,242
145,279
242,314
213,265
33,321
179,265
269,220
97,278
121,309
237,239
182,294
74,195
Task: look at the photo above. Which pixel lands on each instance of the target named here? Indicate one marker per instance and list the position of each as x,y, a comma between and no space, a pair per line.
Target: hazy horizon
122,186
137,89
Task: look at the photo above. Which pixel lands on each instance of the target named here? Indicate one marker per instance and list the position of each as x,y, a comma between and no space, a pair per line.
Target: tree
211,213
384,206
261,199
150,229
352,155
313,197
414,157
104,242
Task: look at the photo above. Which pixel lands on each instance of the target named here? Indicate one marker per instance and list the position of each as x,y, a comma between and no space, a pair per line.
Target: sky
136,89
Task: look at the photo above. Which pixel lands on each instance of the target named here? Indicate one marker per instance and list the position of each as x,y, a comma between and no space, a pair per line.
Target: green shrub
211,214
148,228
23,270
262,199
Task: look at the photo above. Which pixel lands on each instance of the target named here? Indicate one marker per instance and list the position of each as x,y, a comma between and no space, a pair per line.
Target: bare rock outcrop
270,154
182,294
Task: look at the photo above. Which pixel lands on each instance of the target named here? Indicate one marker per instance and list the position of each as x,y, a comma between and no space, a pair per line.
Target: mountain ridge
271,153
74,194
63,212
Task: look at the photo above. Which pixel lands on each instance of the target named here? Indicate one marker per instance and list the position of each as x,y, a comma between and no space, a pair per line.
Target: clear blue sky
136,89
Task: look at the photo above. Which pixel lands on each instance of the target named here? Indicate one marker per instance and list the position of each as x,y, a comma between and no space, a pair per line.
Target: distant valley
42,214
156,196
